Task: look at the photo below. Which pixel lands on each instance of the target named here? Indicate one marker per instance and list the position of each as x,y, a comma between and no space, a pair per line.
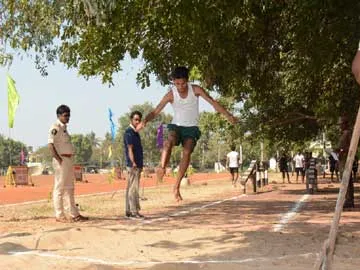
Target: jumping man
184,98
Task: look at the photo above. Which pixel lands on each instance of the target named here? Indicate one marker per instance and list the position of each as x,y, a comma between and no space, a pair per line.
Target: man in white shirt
232,162
184,98
299,166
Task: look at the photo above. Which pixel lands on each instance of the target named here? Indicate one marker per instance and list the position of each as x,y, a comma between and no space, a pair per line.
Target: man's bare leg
165,156
297,176
283,176
236,178
303,176
288,177
184,164
232,177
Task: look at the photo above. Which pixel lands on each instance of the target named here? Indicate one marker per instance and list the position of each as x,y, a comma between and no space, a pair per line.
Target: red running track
97,183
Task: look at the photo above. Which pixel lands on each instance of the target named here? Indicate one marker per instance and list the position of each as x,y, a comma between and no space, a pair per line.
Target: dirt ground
216,227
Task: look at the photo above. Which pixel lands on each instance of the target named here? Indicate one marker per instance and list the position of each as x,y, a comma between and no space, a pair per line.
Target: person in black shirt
134,165
283,166
334,167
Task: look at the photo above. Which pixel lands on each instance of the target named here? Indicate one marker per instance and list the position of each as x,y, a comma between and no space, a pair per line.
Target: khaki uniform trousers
64,188
132,200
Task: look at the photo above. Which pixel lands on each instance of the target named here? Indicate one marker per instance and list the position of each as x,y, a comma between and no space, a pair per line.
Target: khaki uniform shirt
59,136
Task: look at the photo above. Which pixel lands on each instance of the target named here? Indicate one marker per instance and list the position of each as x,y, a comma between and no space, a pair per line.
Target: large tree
288,61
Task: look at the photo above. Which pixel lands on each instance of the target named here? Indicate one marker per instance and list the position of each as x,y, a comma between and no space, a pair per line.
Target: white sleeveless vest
186,110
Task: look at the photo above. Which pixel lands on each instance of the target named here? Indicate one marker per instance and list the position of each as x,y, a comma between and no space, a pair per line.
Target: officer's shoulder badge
53,131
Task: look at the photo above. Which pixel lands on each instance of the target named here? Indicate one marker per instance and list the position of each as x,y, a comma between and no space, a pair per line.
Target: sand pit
216,227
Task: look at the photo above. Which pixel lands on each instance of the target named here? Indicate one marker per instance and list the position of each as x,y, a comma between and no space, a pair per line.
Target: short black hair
232,148
62,109
180,73
135,113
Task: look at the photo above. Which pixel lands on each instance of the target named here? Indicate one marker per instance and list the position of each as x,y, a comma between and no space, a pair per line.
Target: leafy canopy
287,61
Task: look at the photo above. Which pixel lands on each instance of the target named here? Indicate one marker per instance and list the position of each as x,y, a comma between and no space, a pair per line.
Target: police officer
62,150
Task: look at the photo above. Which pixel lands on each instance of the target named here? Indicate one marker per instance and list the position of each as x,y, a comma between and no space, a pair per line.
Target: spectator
283,165
299,166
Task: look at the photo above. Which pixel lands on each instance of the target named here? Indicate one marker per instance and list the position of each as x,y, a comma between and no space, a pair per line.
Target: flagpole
10,148
112,157
112,130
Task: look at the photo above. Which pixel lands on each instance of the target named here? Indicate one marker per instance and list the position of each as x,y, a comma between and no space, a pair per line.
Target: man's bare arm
201,92
54,153
356,67
165,100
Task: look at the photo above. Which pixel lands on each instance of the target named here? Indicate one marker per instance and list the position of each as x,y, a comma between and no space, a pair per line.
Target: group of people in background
300,163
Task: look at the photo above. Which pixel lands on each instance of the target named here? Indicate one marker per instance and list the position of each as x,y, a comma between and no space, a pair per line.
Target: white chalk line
134,262
99,193
185,212
289,215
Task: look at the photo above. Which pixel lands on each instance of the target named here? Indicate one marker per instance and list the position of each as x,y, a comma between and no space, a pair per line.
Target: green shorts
183,133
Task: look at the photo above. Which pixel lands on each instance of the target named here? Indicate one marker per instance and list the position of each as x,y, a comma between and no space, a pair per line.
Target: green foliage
288,62
10,152
83,148
43,155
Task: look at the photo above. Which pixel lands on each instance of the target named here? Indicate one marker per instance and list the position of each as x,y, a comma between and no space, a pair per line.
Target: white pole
203,156
240,155
324,146
219,152
10,148
292,163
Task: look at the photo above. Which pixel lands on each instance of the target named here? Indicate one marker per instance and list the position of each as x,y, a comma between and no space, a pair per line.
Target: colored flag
110,152
22,157
13,100
160,136
112,125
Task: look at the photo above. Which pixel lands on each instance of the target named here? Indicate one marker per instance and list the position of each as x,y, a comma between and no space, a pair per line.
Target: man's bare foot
177,195
160,172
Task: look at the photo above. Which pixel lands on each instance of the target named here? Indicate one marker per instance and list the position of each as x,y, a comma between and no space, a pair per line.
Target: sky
88,100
